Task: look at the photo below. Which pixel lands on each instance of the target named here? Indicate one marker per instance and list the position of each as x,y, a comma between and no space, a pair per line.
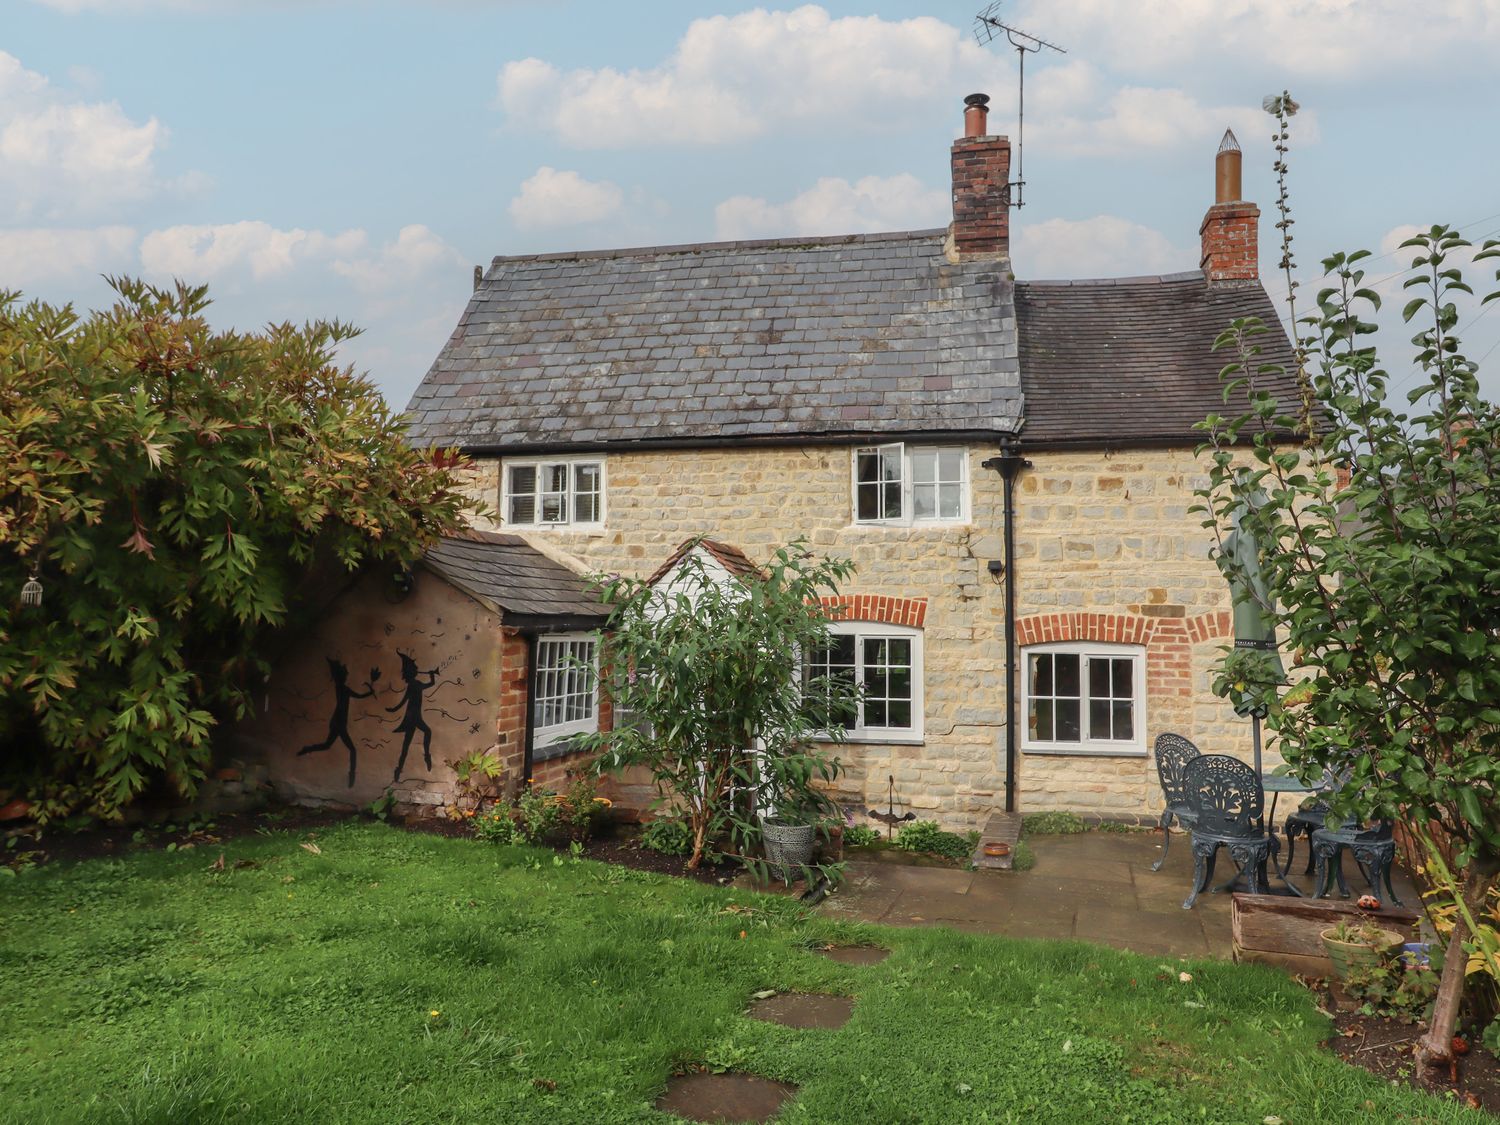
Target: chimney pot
1227,170
976,115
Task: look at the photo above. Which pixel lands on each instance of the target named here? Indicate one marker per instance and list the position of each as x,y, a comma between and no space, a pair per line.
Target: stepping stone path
724,1097
804,1009
856,954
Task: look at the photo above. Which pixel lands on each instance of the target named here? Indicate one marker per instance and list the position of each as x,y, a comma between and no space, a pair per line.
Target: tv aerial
987,28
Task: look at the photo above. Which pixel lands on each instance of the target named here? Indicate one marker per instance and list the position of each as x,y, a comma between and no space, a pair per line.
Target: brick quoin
873,607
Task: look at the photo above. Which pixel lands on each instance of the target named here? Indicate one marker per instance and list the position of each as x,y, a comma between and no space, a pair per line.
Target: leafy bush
1393,990
667,836
860,836
538,812
582,806
701,665
497,827
179,493
1053,824
927,836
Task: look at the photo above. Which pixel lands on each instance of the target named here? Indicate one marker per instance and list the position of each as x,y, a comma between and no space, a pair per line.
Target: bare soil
1384,1047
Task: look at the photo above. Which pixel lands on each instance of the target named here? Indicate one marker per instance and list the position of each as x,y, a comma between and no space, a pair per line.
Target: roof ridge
1104,282
684,248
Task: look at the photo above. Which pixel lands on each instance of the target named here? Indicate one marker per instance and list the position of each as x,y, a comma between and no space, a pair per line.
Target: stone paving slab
1092,886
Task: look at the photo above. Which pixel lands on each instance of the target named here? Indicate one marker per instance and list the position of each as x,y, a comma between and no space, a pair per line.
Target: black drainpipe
530,639
1009,465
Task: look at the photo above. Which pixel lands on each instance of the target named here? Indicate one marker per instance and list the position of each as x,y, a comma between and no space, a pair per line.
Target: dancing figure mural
338,722
412,720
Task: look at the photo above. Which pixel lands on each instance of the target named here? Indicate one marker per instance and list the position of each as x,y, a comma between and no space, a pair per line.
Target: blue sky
356,160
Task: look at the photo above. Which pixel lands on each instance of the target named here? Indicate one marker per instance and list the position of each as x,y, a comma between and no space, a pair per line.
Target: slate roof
1131,360
507,574
855,336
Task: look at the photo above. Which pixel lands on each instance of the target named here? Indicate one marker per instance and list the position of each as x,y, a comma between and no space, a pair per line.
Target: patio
1093,886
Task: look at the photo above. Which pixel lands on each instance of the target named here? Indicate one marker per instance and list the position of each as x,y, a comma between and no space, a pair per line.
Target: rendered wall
375,677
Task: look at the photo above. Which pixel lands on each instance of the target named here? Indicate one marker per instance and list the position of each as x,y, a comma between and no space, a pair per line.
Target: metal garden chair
1173,753
1229,802
1374,849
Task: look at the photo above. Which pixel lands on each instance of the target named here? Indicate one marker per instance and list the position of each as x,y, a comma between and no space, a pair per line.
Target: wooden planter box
1284,931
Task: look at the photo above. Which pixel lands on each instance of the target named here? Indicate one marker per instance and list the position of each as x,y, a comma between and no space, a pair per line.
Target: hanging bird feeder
31,592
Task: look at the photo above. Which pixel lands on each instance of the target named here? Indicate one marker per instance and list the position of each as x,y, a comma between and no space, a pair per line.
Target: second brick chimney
1229,230
981,188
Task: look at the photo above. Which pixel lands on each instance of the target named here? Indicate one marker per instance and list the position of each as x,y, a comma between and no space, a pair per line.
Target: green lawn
407,978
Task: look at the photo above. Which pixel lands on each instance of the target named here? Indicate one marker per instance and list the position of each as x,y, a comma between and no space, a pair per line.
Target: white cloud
60,157
835,206
34,256
1083,116
1104,246
733,77
416,252
1316,38
551,198
212,251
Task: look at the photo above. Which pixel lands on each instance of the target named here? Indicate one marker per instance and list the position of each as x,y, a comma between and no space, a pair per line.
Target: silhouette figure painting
338,722
411,721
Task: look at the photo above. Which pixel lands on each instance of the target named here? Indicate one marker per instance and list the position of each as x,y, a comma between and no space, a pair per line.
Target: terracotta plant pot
995,849
1349,955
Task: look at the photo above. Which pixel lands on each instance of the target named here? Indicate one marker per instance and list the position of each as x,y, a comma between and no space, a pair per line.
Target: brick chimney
1229,229
981,188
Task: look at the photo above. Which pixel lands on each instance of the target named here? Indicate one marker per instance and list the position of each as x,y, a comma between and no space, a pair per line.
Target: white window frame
907,518
544,736
1133,747
875,630
541,464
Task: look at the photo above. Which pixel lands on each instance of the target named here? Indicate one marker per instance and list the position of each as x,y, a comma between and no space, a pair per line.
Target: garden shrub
1053,824
860,836
927,836
496,827
667,836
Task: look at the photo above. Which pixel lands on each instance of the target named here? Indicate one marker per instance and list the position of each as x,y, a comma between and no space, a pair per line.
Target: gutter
1010,464
735,441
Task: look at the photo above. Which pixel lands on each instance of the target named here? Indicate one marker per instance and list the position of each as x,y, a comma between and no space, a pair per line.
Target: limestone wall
1098,533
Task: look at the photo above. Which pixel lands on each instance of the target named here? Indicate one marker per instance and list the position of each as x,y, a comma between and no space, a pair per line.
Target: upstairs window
1084,697
554,493
901,484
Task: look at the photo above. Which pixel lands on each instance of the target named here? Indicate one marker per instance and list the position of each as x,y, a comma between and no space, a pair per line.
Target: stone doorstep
1004,827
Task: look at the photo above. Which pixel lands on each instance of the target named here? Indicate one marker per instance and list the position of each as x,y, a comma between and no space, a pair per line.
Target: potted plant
790,835
1358,946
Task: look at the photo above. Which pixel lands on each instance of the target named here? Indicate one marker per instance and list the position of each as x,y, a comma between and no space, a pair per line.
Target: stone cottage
1009,463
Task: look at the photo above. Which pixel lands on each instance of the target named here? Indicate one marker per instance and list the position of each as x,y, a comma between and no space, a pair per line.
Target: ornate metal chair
1374,849
1308,818
1173,753
1227,797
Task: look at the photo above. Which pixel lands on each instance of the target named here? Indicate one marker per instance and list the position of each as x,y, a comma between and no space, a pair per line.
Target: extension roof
856,336
1130,361
508,575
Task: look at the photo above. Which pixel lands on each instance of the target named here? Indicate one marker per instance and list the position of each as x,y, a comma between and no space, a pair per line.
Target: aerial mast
988,27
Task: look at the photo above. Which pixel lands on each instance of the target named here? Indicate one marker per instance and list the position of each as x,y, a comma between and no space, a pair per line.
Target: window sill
876,739
1086,750
593,529
917,525
558,748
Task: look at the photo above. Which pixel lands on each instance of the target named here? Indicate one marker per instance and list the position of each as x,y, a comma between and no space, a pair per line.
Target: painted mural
426,695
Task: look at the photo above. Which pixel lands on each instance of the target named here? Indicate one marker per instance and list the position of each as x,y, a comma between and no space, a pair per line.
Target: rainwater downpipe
1010,464
530,744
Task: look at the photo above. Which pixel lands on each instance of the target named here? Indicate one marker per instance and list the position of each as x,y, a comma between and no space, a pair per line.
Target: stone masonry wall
1105,534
